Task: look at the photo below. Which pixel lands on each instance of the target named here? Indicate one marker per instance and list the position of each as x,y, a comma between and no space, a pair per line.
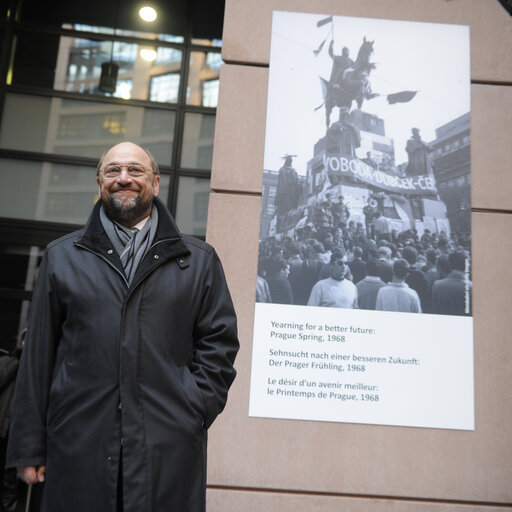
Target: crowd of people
345,267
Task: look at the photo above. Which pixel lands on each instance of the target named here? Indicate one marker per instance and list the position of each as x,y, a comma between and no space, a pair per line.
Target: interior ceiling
207,15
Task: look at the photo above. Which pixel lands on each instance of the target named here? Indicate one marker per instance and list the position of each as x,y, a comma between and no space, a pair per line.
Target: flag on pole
321,23
401,97
324,83
324,21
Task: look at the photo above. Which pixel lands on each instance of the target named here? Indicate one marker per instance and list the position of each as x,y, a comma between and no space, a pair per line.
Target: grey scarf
131,246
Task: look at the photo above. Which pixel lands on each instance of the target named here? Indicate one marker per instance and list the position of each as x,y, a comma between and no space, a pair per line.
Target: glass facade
78,128
197,149
59,112
203,80
192,207
45,191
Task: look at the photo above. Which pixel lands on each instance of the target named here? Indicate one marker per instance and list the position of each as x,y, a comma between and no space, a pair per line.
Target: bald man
129,355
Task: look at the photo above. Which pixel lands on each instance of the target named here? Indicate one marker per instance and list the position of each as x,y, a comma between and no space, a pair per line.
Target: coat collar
167,235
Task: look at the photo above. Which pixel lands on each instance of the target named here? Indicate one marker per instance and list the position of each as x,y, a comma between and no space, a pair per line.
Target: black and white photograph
366,185
365,219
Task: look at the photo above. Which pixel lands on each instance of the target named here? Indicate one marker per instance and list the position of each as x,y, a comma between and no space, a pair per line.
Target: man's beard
126,213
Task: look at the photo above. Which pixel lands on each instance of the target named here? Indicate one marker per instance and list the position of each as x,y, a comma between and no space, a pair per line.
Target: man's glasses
134,171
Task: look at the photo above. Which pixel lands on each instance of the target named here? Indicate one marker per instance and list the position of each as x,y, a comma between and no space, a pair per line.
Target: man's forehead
126,152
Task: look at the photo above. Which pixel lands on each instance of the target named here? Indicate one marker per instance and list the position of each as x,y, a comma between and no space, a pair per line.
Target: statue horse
354,83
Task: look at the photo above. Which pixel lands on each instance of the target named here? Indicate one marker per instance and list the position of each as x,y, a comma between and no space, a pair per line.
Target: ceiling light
147,13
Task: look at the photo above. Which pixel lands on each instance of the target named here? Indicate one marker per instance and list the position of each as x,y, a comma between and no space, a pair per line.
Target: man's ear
156,184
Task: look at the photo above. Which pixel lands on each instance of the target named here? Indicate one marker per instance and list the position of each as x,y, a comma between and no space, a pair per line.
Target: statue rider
339,64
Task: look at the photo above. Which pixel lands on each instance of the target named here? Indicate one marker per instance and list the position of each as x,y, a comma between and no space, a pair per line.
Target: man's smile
125,191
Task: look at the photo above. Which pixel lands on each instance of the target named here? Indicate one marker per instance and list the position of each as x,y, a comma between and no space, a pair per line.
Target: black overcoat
113,373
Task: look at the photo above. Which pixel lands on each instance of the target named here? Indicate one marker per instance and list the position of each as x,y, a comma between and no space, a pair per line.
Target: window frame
11,28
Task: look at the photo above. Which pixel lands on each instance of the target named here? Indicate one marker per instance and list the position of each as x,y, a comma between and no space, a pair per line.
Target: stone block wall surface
258,464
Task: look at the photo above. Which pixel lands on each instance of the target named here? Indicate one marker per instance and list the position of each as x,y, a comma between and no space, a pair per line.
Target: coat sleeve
27,435
215,340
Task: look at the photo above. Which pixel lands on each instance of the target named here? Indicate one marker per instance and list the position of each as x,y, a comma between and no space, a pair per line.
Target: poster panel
363,301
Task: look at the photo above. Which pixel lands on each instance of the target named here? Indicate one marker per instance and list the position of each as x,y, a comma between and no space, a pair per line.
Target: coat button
182,260
110,251
156,256
109,459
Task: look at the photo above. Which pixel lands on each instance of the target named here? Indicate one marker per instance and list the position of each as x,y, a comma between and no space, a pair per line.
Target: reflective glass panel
192,207
79,66
207,42
46,191
51,192
197,148
203,79
75,65
165,88
82,128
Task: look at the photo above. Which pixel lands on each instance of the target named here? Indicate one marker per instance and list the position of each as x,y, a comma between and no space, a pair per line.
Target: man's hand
32,474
